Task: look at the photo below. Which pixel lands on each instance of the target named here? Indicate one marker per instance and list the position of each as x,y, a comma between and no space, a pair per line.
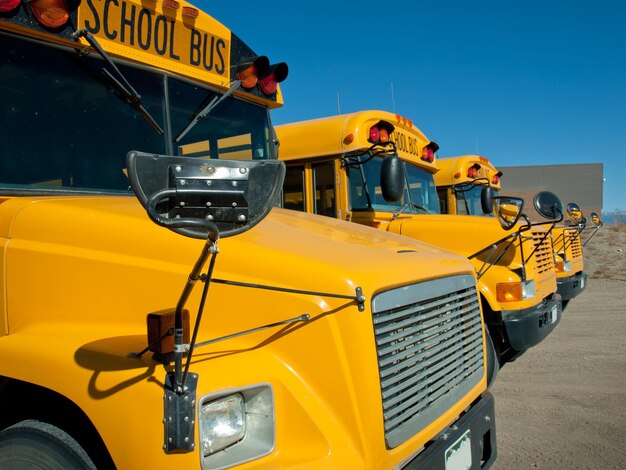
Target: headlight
561,266
236,426
515,291
223,423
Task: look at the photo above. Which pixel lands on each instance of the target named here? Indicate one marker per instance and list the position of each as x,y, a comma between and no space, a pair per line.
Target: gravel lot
562,405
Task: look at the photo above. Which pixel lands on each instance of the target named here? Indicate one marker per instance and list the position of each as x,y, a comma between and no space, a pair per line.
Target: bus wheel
33,444
493,364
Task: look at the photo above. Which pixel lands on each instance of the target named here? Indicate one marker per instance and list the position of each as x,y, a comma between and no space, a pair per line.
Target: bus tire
34,444
493,364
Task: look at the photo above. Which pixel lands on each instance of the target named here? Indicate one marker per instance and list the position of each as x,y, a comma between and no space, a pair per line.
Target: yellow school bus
462,183
335,167
138,168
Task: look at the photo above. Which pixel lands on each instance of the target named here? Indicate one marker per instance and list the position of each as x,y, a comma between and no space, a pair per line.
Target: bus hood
108,238
463,234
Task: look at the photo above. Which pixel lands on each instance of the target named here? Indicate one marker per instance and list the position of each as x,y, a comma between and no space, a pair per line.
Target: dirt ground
562,405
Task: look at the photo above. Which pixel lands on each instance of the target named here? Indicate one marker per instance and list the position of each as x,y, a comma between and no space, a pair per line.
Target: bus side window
324,184
443,200
461,203
294,189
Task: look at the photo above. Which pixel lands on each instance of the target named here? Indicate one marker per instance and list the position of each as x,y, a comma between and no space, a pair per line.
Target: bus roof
173,36
349,134
466,168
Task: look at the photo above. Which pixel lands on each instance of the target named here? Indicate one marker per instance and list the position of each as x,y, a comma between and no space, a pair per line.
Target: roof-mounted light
171,4
428,152
50,13
380,132
472,171
249,72
191,12
405,122
8,5
374,134
275,74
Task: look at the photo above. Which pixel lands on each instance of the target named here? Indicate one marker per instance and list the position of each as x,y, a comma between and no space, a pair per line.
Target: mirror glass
595,218
507,210
574,213
548,205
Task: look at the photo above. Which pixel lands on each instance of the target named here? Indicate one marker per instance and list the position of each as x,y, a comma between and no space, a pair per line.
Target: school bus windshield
468,199
70,130
420,194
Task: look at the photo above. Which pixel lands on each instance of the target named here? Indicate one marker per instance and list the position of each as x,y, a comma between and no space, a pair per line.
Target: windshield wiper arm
207,109
121,85
397,212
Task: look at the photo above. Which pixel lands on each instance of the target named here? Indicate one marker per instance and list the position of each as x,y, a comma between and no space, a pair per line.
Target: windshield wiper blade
207,109
415,205
133,100
121,85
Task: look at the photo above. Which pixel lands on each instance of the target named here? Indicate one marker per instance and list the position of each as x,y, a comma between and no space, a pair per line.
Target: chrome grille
429,340
574,243
544,256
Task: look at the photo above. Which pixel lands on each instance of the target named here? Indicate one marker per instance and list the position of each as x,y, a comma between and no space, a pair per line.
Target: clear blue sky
522,83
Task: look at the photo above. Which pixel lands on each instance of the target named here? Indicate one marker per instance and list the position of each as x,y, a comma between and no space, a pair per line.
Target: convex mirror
549,205
507,210
595,218
574,213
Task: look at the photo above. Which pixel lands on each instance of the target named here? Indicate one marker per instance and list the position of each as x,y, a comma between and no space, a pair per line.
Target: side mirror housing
392,178
199,197
549,205
595,218
507,210
486,199
574,214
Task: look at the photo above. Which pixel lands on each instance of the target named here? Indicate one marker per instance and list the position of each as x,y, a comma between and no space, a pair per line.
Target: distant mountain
616,217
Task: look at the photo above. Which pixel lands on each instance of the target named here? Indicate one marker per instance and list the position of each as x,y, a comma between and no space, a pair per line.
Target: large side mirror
548,205
486,199
199,197
595,218
392,178
574,214
507,210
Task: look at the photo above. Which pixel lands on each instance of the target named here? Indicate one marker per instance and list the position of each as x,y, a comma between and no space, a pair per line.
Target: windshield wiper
207,109
412,204
121,85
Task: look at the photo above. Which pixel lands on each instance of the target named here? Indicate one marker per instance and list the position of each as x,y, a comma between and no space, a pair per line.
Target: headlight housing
222,423
515,291
560,265
236,426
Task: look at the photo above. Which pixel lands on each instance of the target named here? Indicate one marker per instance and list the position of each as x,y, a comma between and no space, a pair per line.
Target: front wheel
493,363
38,445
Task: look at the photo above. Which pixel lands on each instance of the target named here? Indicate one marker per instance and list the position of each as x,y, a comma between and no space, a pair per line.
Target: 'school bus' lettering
405,143
155,33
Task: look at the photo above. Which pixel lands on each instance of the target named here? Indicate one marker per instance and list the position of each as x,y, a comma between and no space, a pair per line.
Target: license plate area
459,453
554,314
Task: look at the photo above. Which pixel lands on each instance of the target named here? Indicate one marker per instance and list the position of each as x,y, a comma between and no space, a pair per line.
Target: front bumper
528,327
569,287
478,425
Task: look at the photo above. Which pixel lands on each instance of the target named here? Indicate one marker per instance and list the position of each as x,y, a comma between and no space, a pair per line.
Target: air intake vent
429,340
543,256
